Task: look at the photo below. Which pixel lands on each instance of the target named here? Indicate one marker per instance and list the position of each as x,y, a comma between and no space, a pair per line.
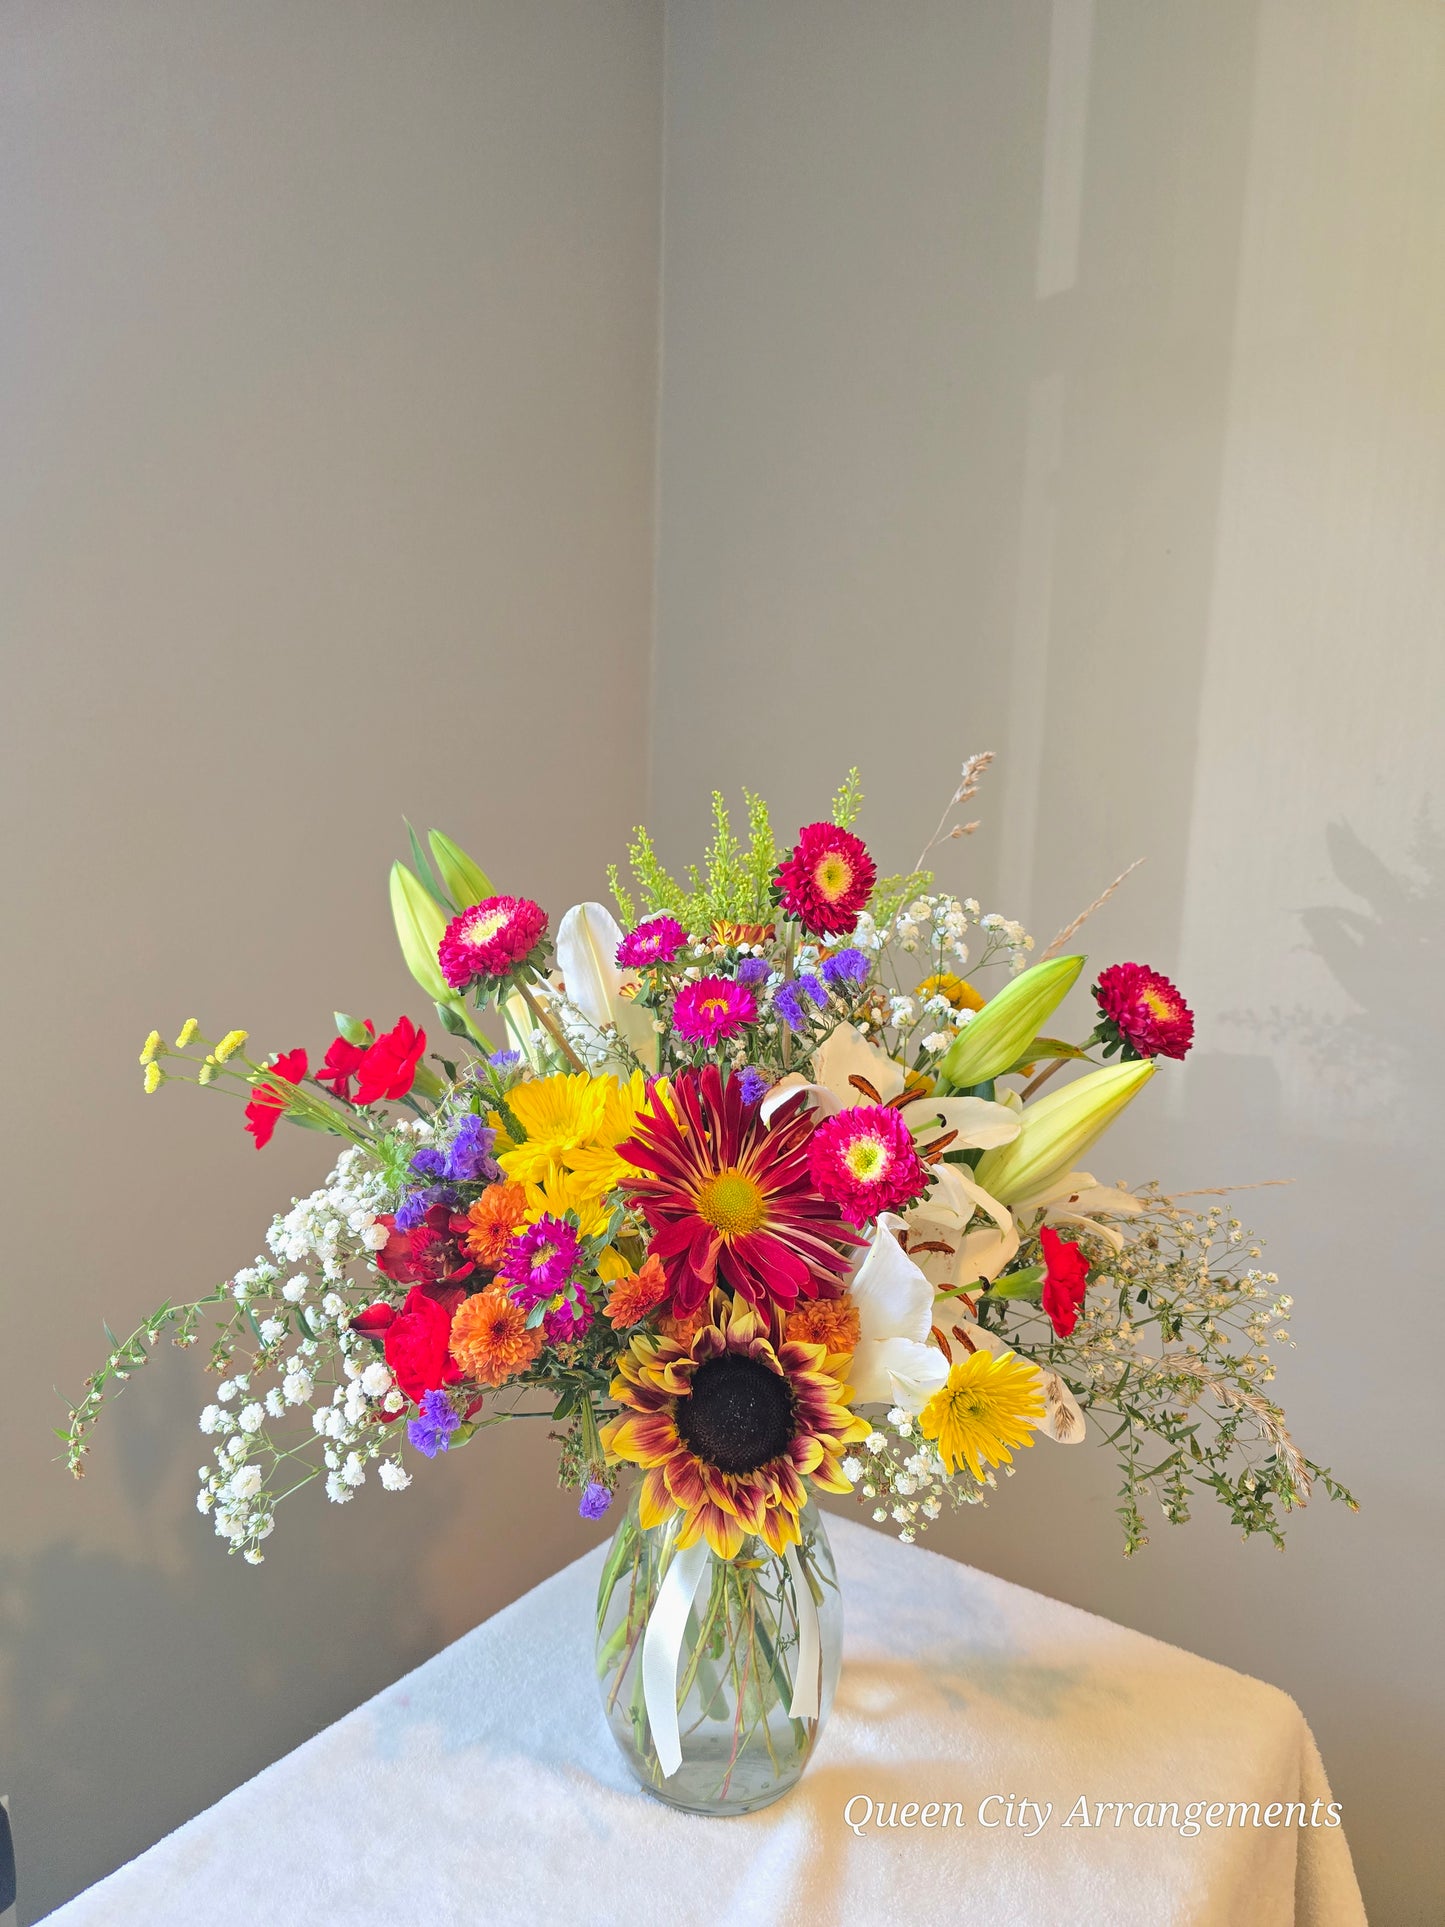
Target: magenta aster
712,1008
540,1261
828,879
865,1160
490,939
1142,1013
655,942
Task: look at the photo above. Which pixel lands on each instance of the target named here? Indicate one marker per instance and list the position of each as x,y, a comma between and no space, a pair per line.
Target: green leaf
425,874
1041,1051
1028,1283
351,1028
566,1405
536,1314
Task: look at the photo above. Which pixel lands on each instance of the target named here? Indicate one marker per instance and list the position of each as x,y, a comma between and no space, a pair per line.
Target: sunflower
730,1199
729,1425
986,1405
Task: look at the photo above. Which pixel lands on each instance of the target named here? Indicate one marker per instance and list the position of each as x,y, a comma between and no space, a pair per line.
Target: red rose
416,1346
339,1066
268,1104
388,1068
1066,1271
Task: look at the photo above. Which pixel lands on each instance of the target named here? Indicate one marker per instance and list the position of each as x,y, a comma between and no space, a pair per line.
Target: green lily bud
1008,1023
351,1028
464,883
1056,1130
420,922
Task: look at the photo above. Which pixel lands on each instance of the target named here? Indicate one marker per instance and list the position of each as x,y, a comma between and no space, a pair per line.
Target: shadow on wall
1388,1050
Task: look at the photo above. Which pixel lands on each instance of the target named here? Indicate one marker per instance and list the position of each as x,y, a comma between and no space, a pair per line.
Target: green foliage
732,885
891,893
848,801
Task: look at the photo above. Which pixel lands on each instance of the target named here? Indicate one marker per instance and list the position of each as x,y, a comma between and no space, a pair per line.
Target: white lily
978,1235
1079,1199
1063,1419
587,940
896,1361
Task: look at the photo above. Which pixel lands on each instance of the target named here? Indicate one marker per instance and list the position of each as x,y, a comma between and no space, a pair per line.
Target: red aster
388,1069
338,1067
866,1161
267,1106
490,939
828,879
730,1200
1142,1012
1066,1272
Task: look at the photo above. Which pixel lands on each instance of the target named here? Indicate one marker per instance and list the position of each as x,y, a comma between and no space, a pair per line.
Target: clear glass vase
737,1663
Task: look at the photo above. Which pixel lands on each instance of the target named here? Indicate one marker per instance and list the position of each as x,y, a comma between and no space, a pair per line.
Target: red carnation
388,1068
339,1065
266,1107
1143,1014
828,879
490,939
432,1253
416,1344
1066,1272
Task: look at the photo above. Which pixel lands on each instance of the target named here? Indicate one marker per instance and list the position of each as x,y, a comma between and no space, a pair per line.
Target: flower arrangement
755,1192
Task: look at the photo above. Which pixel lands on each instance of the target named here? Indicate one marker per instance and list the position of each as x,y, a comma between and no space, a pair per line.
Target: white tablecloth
484,1787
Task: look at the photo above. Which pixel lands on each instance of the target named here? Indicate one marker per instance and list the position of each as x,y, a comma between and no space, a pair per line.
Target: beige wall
1070,381
1057,378
328,355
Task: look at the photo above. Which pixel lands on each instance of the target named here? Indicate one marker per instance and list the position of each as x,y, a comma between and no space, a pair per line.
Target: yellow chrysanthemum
559,1192
959,992
189,1029
154,1078
230,1044
560,1115
152,1044
987,1405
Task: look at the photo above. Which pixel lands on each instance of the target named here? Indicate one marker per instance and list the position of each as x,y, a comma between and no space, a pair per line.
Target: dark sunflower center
739,1416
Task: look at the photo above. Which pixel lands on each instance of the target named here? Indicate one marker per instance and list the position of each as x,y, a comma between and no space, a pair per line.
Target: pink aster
712,1008
1143,1012
655,942
490,939
865,1161
827,880
540,1260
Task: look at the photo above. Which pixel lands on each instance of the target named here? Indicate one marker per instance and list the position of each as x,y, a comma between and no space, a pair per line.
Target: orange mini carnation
829,1322
492,1220
490,1340
635,1294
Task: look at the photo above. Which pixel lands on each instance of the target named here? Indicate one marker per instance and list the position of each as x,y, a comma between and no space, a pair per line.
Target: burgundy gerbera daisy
1142,1013
827,880
490,939
731,1201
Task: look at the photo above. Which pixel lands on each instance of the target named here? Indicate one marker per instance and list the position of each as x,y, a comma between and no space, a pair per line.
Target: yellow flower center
833,874
483,929
543,1256
732,1203
1158,1002
715,1006
866,1158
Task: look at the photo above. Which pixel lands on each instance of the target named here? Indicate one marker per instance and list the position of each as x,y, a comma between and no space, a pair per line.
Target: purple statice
788,999
429,1164
431,1430
505,1060
753,970
415,1205
849,966
751,1083
594,1501
469,1159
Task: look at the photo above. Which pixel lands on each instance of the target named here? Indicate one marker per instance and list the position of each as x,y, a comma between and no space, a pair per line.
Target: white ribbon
805,1678
661,1644
662,1647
